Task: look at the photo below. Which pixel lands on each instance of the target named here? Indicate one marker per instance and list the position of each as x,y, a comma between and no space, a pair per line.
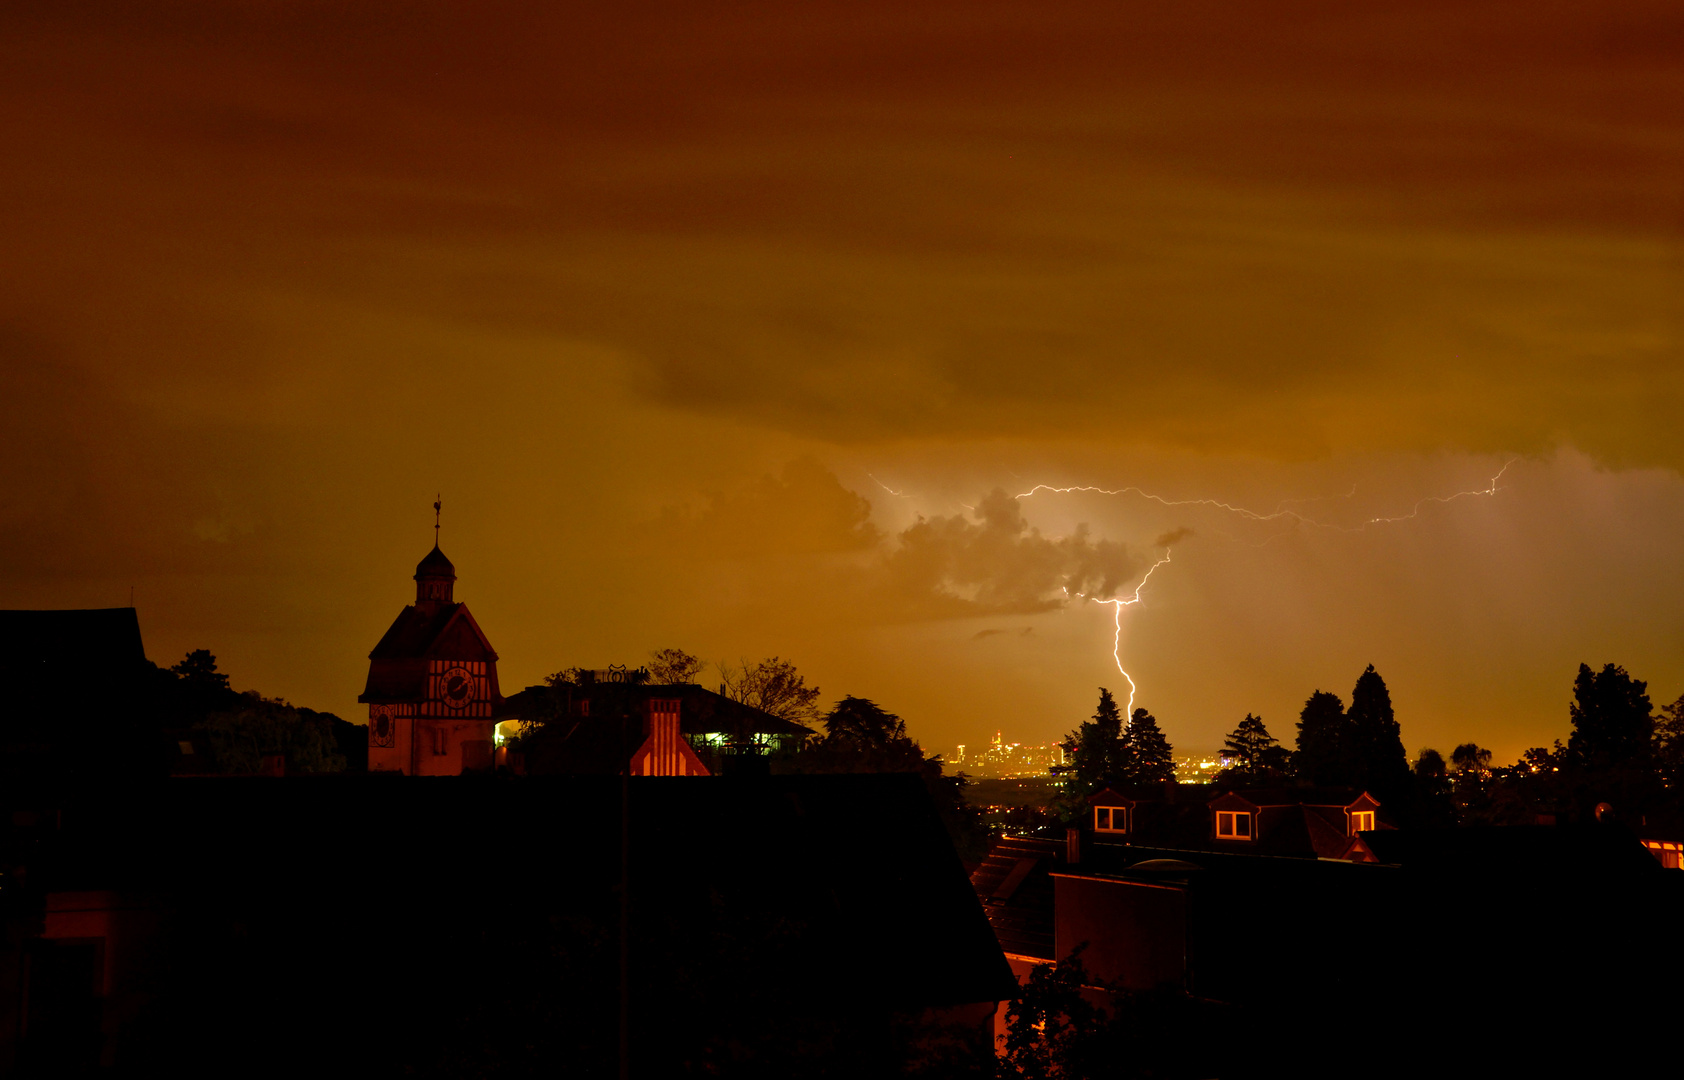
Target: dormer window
1233,825
1111,819
1362,821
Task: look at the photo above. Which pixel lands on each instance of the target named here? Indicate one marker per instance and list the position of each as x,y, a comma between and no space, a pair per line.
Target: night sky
738,327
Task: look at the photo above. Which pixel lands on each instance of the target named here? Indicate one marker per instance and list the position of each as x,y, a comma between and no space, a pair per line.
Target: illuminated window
1232,826
1111,819
1362,821
1670,855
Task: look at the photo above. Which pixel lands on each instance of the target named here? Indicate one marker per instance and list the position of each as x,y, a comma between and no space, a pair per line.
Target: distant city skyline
1002,759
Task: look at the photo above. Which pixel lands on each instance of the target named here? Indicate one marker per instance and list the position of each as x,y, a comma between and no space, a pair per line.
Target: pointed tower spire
435,576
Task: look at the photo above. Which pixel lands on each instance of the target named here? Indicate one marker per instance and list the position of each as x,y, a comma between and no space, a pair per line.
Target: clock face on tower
458,686
381,727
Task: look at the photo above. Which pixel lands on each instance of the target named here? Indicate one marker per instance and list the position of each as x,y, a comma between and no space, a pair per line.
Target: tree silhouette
241,738
1094,752
1247,744
1377,754
863,737
1148,757
198,668
1056,1029
862,723
1669,743
1469,780
1469,761
669,667
1431,805
1613,720
1052,1028
771,685
1257,758
1324,745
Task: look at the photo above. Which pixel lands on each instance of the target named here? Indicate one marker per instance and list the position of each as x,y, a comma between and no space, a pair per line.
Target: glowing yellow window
1362,821
1111,819
1232,825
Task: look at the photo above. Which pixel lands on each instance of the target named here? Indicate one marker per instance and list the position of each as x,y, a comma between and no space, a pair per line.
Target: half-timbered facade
614,721
432,683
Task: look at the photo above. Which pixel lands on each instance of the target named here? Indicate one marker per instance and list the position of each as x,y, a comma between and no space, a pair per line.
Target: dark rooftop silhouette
83,637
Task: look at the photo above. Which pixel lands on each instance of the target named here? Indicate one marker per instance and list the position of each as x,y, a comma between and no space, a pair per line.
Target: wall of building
1136,933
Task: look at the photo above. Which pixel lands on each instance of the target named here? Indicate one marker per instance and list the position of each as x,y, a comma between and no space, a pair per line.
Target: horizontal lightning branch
1281,512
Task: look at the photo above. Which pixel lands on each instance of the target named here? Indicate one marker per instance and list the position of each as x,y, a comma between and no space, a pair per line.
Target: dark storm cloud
1174,536
1284,230
992,562
275,272
804,510
987,562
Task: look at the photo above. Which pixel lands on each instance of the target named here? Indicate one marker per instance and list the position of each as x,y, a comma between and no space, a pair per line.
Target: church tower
432,683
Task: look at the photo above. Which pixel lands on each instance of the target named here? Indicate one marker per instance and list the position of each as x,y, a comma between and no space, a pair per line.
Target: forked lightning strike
1118,604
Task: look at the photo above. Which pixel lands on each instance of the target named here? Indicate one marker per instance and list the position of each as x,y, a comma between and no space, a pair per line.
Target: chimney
1073,845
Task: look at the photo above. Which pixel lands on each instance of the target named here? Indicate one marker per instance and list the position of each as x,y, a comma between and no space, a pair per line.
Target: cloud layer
275,273
992,562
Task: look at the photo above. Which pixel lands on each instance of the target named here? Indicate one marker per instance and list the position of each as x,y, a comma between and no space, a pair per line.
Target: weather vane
438,506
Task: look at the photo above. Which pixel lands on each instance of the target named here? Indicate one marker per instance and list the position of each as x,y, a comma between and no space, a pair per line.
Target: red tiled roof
1014,884
397,669
448,632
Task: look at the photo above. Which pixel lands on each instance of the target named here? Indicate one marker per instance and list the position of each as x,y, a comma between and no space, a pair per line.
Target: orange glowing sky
717,325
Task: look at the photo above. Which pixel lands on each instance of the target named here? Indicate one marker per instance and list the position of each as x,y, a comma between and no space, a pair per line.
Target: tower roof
435,565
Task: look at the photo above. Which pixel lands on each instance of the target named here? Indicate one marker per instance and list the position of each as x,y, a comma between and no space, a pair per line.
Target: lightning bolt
1280,511
890,490
1117,606
1416,509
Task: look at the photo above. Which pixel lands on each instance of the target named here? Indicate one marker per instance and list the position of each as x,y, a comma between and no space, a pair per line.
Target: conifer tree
1247,744
1094,752
1149,759
1377,757
1324,746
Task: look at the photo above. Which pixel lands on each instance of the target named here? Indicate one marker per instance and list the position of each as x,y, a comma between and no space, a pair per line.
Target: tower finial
438,506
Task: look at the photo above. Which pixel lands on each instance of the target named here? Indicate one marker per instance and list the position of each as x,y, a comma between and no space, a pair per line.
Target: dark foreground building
600,727
488,926
81,696
1524,951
